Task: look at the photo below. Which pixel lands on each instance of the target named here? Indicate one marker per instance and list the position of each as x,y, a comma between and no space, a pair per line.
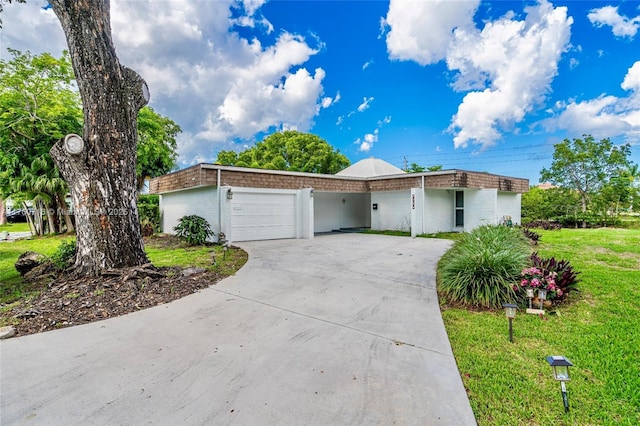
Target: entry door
262,216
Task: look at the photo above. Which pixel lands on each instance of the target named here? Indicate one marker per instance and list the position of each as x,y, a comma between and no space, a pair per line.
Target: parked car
17,215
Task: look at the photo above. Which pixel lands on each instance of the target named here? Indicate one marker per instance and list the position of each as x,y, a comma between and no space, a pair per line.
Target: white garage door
262,216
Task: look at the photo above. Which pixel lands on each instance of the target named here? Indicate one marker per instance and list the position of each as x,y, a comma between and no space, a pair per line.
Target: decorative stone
7,331
191,271
27,261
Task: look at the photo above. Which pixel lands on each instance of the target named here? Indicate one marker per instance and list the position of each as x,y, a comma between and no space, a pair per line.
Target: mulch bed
65,301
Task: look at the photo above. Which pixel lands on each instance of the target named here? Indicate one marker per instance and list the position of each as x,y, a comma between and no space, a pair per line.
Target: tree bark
3,212
102,176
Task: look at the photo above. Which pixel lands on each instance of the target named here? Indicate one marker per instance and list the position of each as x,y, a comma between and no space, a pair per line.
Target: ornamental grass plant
481,268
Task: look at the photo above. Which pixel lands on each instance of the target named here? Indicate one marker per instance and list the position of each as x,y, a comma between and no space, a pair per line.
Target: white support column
225,211
306,196
417,207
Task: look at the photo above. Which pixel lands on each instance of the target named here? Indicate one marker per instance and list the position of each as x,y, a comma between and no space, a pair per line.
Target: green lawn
511,383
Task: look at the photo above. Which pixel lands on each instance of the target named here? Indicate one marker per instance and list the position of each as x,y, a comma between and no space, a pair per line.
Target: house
255,204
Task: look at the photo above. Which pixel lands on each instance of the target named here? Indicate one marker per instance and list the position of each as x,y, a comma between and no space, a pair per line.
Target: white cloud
604,116
366,102
422,31
385,120
367,64
507,66
44,32
367,141
327,101
217,85
632,79
621,26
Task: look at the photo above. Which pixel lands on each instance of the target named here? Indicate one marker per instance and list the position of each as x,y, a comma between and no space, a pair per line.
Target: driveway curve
340,329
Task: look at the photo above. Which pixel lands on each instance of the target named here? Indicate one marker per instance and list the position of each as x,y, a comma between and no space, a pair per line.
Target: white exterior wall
438,210
480,208
510,204
394,211
333,210
199,201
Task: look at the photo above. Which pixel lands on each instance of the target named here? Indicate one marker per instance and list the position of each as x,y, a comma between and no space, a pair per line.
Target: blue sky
476,85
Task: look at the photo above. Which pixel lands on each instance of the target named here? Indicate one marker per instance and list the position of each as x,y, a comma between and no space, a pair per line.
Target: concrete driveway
341,329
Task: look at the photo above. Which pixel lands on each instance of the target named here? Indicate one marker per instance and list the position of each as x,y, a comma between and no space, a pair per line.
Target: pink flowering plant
557,277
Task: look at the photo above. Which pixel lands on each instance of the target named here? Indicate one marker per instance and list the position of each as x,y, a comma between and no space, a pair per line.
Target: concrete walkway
338,330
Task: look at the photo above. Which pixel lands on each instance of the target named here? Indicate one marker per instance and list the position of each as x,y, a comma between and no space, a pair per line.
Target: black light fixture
560,366
510,311
229,194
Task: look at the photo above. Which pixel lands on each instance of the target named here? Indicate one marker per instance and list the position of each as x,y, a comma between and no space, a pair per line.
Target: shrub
194,229
149,213
64,254
480,269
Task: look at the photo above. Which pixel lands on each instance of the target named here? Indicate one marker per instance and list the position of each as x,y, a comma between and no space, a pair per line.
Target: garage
263,215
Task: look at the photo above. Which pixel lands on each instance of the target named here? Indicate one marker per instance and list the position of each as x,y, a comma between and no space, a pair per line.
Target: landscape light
510,311
560,366
542,296
530,296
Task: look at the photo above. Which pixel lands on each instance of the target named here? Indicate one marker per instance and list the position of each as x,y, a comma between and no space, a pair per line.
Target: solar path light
542,296
560,366
530,296
510,310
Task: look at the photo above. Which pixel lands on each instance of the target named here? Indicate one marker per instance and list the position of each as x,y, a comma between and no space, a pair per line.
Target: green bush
194,229
480,269
149,213
64,254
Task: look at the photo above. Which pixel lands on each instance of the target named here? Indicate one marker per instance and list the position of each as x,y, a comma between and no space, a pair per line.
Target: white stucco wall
199,201
510,204
480,208
332,213
394,211
438,210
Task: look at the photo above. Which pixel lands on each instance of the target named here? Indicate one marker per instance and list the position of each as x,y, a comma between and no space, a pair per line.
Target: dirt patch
64,301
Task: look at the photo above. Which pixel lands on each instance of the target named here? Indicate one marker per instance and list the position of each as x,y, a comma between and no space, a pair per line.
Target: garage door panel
262,216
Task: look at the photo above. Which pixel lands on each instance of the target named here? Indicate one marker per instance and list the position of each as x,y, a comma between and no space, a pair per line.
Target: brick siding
206,175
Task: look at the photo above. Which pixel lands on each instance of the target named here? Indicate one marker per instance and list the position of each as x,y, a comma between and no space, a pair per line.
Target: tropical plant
565,278
533,236
195,230
480,269
39,106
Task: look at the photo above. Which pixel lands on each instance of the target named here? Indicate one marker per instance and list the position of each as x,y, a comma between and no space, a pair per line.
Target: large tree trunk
102,177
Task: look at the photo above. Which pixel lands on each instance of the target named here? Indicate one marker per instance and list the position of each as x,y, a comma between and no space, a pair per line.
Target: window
459,208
